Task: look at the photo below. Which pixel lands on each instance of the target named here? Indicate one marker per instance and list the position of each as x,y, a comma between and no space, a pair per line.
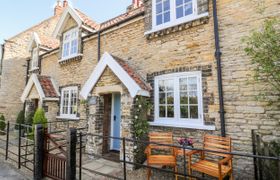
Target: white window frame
173,20
176,121
69,33
68,115
35,58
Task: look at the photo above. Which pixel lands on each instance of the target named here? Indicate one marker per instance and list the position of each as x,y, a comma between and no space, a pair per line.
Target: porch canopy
130,79
44,86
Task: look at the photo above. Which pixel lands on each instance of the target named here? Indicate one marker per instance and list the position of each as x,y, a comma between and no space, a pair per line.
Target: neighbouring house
163,50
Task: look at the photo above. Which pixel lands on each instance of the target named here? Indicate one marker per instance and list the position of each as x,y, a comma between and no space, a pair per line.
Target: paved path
7,172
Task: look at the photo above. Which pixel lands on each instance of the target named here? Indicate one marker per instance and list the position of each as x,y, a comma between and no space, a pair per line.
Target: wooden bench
154,159
220,168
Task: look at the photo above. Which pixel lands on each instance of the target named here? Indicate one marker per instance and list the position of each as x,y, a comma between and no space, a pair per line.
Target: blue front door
116,121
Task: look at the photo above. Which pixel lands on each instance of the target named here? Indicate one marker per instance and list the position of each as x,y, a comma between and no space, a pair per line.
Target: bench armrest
225,160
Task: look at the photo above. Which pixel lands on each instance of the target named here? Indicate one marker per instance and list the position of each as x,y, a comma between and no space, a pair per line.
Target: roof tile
47,86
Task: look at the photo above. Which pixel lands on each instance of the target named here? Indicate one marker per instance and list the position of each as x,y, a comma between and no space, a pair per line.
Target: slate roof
47,86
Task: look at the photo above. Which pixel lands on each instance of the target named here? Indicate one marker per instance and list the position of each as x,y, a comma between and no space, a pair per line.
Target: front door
116,121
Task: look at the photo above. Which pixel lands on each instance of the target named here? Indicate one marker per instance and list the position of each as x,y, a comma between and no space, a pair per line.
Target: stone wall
14,67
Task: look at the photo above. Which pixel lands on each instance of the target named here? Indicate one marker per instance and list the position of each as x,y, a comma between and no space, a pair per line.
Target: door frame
112,121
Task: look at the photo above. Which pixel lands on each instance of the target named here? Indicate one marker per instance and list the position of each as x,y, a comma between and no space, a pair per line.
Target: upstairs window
35,58
167,13
70,44
68,104
178,99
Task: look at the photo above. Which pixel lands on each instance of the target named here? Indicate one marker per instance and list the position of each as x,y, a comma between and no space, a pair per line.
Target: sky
18,15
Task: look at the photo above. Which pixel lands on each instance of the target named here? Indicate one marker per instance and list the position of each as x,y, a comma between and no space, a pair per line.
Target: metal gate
54,156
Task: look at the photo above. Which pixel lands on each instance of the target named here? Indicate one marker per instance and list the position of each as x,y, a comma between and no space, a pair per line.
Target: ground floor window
68,104
178,98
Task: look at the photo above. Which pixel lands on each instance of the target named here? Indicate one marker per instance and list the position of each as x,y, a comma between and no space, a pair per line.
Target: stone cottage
186,60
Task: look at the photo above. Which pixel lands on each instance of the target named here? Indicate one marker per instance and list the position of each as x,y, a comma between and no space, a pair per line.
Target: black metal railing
17,144
82,145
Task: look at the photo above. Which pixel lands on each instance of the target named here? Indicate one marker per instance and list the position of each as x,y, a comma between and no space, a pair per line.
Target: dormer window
35,58
70,44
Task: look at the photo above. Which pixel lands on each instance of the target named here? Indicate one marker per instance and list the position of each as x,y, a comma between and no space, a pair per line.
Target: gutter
218,55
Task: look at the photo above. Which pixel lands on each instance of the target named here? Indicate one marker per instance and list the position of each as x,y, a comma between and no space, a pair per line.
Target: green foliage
140,126
29,118
2,123
40,118
20,119
263,47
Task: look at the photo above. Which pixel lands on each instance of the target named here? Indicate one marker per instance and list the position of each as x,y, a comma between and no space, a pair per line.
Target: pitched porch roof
44,85
132,81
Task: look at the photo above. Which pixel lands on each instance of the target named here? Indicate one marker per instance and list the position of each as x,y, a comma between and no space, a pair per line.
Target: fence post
19,146
124,159
80,159
255,153
7,139
71,154
185,168
39,152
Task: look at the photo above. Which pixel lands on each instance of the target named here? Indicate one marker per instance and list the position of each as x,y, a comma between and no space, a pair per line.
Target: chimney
135,4
58,8
65,3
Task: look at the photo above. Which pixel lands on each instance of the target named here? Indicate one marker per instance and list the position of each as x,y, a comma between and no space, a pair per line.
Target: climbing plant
263,48
140,126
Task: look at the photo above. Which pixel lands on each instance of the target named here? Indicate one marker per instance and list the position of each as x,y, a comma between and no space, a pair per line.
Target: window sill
72,58
67,118
185,125
179,22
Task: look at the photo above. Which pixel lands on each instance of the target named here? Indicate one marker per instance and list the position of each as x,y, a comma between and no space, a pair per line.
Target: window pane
169,85
74,46
162,111
187,1
170,111
166,5
179,2
194,112
183,84
188,9
184,98
162,98
159,8
179,12
161,86
184,111
159,19
167,16
193,97
192,84
170,98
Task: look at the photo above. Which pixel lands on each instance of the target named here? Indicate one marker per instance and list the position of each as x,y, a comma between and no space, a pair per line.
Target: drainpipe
2,57
218,54
99,46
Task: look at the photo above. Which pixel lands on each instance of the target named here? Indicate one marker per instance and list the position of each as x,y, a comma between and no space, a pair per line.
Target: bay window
178,99
70,44
68,104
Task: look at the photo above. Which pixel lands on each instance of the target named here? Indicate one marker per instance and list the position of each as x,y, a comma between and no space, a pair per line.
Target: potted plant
186,142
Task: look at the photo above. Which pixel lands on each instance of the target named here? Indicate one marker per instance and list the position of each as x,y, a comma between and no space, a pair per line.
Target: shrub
2,124
40,118
29,118
20,119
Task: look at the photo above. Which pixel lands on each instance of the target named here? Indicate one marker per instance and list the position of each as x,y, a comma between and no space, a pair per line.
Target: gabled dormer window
169,13
70,44
35,58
